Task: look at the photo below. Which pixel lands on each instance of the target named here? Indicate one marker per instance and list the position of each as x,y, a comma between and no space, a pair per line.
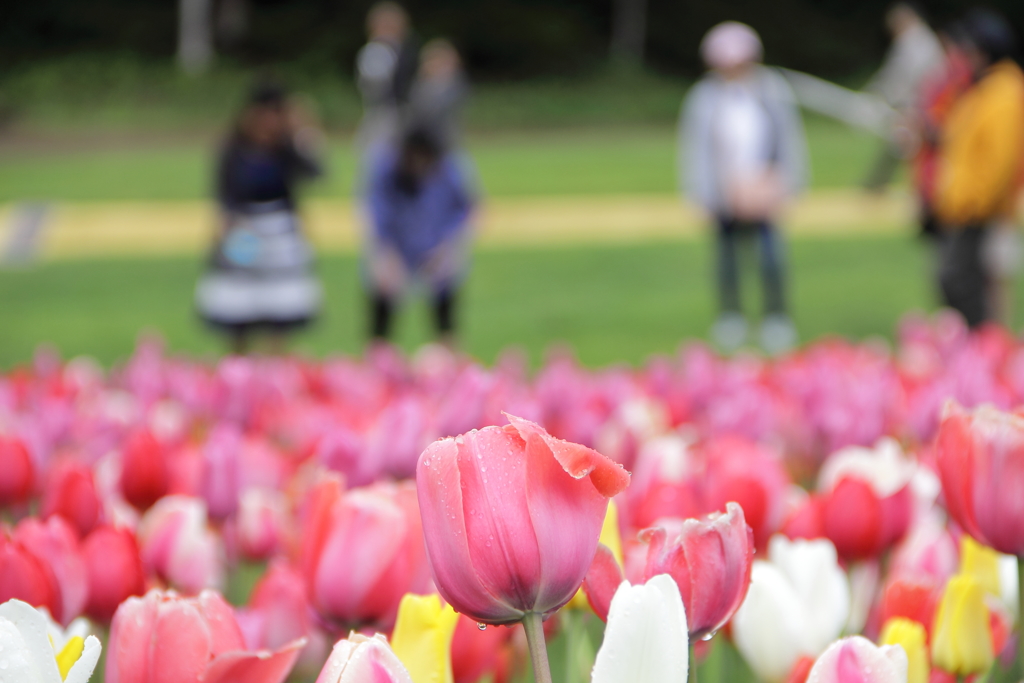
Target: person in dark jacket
259,274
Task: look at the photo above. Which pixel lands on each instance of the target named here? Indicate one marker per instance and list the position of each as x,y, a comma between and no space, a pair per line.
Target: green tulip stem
692,675
533,624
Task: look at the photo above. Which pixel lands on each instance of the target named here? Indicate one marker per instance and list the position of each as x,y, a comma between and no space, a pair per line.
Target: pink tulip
114,569
71,494
858,660
54,542
362,551
261,523
710,559
178,545
26,577
17,472
511,518
980,455
163,638
221,476
359,659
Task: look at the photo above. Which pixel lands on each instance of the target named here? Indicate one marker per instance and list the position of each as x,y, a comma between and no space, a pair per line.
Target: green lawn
619,303
554,162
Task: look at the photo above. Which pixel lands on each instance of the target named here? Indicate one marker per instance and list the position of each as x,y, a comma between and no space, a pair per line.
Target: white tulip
797,604
358,658
646,637
27,654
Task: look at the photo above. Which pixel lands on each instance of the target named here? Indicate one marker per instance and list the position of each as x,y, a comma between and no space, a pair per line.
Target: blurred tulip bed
847,513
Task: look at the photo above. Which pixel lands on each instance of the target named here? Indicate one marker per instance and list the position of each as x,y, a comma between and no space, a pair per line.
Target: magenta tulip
511,518
711,560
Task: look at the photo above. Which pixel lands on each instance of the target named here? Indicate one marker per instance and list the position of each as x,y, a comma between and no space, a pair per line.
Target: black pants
962,276
382,309
731,234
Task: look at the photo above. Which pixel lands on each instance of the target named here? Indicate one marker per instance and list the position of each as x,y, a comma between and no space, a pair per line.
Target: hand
387,271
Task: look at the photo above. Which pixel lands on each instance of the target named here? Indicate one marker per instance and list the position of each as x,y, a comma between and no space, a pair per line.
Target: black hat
989,31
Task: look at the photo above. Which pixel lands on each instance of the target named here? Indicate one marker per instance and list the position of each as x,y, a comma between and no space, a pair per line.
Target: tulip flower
423,636
145,472
798,602
646,639
512,518
981,563
17,472
261,523
476,653
221,477
25,576
359,659
610,544
27,655
71,494
163,637
114,569
362,551
912,637
858,660
54,542
178,545
961,636
866,499
711,560
910,599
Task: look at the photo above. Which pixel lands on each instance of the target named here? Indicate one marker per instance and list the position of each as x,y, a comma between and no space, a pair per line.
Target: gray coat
699,174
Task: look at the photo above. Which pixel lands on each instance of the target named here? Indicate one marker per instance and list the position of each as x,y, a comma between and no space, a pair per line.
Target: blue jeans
731,233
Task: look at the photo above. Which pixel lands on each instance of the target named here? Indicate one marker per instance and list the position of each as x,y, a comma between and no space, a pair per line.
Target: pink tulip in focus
362,550
163,638
980,455
114,569
145,473
857,660
56,545
865,498
710,559
17,472
359,659
179,547
512,517
71,494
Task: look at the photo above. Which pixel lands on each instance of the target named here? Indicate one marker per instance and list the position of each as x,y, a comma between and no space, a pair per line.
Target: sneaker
778,334
729,332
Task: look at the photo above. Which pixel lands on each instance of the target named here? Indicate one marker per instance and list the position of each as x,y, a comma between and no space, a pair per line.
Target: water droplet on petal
482,626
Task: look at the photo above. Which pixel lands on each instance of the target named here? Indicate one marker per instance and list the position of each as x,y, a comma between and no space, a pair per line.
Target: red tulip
476,653
55,544
145,474
17,472
362,551
866,501
26,577
114,569
980,455
71,494
511,518
914,599
711,560
164,638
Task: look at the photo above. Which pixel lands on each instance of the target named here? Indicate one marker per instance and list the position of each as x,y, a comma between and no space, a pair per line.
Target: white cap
730,44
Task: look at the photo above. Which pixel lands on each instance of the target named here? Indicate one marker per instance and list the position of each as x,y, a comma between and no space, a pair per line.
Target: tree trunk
629,32
195,35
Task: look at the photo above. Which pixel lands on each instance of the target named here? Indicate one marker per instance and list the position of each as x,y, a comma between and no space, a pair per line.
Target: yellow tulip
961,635
611,538
980,562
422,638
911,636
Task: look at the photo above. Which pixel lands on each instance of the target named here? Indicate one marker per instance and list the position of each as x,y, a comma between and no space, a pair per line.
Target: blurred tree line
501,39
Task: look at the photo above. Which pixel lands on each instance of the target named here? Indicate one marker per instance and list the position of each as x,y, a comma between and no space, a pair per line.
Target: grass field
612,304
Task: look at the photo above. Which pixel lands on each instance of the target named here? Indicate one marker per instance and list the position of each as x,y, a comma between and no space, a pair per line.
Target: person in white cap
742,157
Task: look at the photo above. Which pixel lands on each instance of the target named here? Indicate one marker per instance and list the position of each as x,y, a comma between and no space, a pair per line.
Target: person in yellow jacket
980,164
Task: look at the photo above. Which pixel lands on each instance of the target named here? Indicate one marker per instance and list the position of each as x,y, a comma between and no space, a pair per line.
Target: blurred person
385,71
419,201
743,156
914,55
439,93
259,274
979,169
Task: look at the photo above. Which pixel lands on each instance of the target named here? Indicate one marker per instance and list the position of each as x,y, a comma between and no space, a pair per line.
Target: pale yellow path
147,228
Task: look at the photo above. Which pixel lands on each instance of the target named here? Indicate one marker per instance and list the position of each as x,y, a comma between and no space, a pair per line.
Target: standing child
743,157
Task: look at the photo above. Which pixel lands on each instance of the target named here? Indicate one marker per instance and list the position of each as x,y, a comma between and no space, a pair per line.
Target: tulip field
847,512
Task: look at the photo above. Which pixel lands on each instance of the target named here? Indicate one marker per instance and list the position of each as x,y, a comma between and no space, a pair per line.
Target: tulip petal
81,671
607,476
225,635
182,643
254,667
439,489
32,627
646,638
131,639
602,581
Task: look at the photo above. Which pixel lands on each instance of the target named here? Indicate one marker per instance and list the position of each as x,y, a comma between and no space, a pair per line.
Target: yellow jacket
982,150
